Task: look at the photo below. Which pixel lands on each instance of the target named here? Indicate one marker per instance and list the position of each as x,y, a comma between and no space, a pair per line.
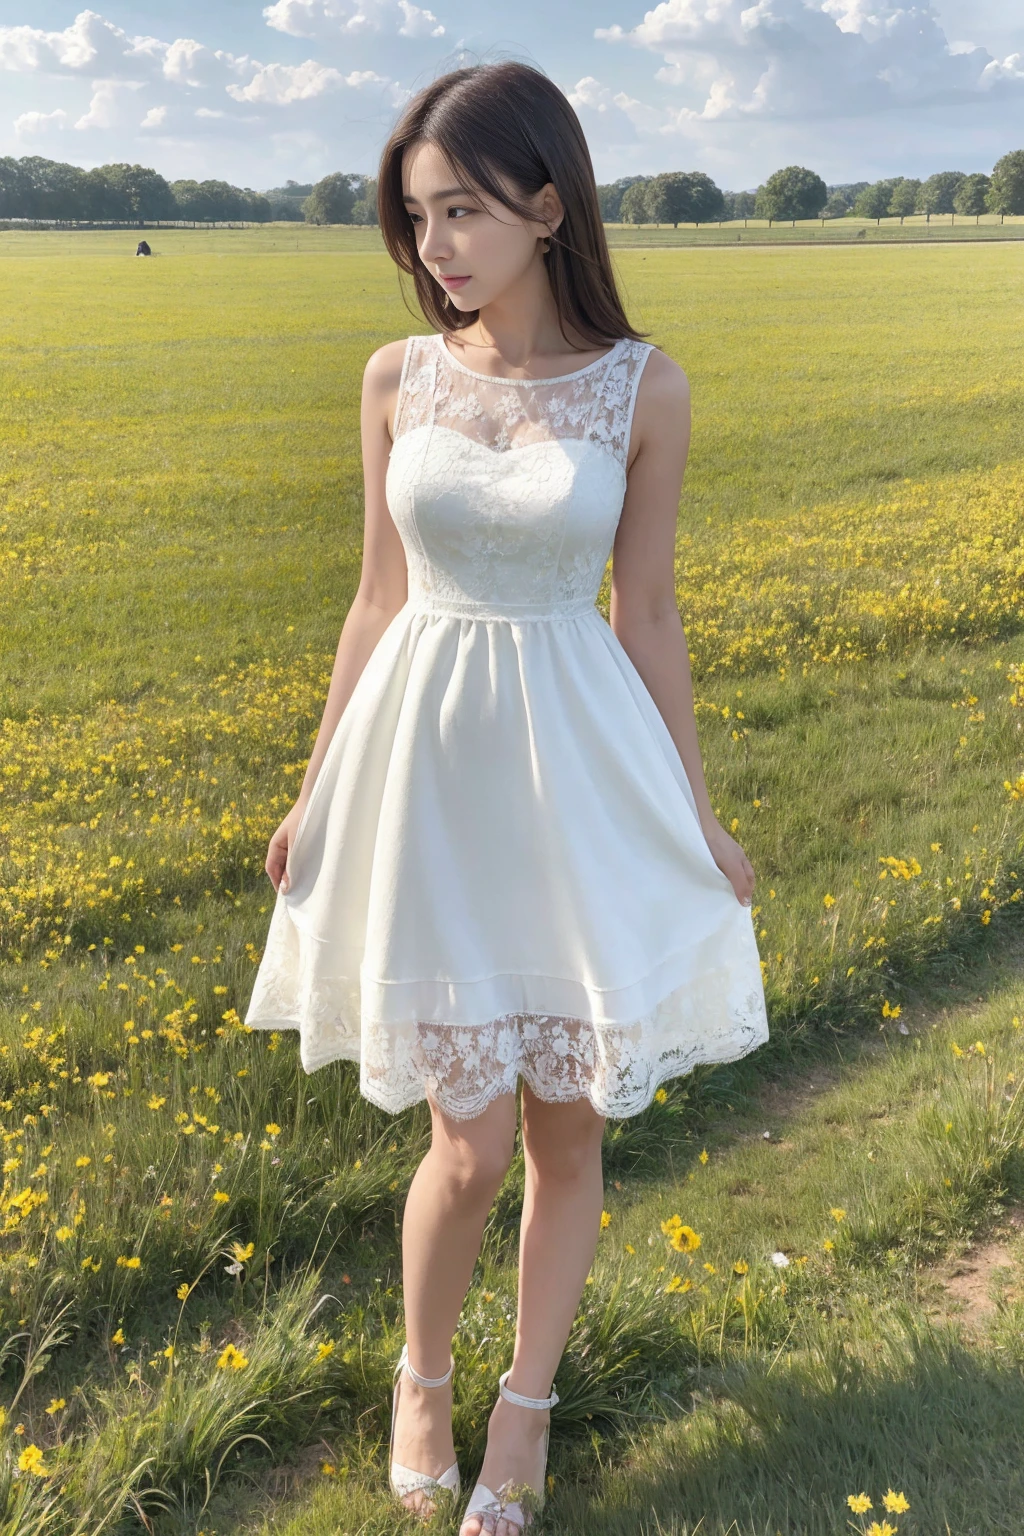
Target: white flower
780,1261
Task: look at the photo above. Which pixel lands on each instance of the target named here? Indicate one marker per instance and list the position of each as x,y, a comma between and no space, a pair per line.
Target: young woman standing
504,864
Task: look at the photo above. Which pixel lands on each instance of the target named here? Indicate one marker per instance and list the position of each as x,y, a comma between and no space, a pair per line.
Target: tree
634,208
738,205
873,202
683,197
837,207
610,195
1006,189
906,194
938,192
331,200
364,209
139,193
970,196
792,193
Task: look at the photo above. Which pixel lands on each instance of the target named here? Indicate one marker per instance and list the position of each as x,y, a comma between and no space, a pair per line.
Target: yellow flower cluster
830,584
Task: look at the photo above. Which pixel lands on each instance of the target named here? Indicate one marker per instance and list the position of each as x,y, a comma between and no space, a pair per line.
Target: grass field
199,1301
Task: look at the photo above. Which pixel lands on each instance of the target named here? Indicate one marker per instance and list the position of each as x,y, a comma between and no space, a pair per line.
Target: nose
436,244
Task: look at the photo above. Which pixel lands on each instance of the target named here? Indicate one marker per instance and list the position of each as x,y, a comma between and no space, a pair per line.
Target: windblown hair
508,120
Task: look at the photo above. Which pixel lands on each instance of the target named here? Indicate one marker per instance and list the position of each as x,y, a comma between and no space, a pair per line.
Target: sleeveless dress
499,870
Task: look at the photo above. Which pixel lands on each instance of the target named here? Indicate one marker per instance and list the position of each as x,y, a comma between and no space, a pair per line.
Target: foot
423,1436
515,1455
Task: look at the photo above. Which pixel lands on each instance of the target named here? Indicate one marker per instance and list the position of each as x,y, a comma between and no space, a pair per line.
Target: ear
552,211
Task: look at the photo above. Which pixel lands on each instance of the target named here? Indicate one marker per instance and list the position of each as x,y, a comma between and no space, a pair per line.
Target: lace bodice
507,492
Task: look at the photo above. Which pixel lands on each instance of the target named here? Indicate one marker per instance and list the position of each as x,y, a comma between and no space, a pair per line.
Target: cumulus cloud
326,18
807,58
278,84
88,44
32,124
108,107
119,64
590,95
91,45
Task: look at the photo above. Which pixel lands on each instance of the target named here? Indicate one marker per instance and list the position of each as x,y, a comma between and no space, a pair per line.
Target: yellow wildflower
859,1503
895,1503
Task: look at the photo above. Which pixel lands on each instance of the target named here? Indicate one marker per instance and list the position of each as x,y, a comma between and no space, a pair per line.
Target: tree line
794,192
35,188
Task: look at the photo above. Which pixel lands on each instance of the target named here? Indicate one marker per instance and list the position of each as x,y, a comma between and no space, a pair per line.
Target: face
468,237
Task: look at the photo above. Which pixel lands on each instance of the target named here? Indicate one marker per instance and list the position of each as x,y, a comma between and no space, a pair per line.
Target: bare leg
448,1203
558,1236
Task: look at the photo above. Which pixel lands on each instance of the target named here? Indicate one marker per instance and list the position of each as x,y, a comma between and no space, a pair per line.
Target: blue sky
256,93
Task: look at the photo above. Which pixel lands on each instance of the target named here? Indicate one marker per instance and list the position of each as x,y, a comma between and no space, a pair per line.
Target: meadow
199,1298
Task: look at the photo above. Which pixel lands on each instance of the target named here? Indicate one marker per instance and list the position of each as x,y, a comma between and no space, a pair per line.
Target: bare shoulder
663,384
382,375
661,415
383,368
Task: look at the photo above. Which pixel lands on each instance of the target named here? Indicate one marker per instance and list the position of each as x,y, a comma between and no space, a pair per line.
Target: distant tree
364,209
738,205
792,193
331,200
873,202
211,202
1006,189
635,208
837,207
906,195
683,197
969,199
610,195
139,193
938,192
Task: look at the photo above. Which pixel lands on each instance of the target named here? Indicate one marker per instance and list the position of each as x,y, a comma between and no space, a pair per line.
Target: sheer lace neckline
494,378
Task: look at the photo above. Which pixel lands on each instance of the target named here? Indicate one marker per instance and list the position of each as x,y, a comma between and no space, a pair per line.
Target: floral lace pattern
507,492
716,1017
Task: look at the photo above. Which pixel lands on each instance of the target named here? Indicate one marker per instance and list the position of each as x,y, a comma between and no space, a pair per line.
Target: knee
473,1172
565,1159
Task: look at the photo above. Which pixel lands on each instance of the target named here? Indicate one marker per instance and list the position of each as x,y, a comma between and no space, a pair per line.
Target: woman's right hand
280,844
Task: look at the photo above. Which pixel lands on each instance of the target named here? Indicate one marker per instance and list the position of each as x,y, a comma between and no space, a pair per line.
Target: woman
503,862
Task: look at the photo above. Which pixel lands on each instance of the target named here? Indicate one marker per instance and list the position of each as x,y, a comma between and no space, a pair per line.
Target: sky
256,93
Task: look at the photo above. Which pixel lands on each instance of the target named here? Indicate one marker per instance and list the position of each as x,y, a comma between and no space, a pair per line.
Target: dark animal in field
143,249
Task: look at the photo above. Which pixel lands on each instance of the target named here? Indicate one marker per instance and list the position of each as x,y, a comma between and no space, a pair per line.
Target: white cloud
806,58
418,21
1011,68
209,112
31,124
621,114
89,43
154,118
107,109
328,18
279,84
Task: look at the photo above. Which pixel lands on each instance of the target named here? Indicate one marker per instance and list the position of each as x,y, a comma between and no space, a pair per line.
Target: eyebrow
407,197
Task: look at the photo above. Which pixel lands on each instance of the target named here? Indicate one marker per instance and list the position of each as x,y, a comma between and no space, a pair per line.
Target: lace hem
717,1016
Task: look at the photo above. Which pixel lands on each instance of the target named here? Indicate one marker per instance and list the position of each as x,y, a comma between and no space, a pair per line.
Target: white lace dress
500,870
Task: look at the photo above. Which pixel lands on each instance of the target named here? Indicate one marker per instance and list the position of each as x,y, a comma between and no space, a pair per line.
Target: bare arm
383,581
644,609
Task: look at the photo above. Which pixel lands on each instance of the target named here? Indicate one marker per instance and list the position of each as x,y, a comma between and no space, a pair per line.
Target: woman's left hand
732,861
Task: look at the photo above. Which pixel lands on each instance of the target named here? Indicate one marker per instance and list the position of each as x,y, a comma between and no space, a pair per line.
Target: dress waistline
512,613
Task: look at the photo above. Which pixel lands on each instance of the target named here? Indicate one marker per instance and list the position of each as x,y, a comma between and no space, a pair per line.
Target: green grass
180,526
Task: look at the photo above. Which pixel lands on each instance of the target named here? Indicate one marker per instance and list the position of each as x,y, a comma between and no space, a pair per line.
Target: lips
452,282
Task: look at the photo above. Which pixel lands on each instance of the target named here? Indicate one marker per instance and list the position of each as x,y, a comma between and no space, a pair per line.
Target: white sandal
403,1479
482,1501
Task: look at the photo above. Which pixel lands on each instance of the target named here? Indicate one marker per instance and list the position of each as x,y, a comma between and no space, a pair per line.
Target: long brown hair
508,119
